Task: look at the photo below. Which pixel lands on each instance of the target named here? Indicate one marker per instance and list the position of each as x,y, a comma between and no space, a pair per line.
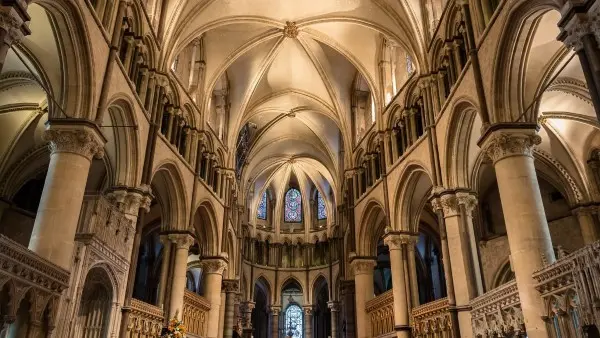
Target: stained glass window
293,206
262,207
410,68
321,208
293,321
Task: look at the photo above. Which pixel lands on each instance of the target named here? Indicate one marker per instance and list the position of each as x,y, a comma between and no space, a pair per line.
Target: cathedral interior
300,168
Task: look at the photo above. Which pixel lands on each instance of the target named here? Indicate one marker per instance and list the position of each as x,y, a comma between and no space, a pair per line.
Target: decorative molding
230,285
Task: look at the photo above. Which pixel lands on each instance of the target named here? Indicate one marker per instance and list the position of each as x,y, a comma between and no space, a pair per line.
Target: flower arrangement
175,329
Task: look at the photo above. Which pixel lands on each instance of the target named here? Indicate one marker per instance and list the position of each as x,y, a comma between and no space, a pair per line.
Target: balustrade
145,320
195,313
570,289
381,315
497,313
103,221
432,319
27,277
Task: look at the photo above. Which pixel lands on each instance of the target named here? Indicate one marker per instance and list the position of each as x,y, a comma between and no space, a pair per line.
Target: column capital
451,202
362,266
308,310
333,306
130,200
181,241
394,240
586,210
230,285
84,138
13,21
215,265
506,140
275,310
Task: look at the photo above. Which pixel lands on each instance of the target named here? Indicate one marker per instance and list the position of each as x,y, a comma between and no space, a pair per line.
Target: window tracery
293,206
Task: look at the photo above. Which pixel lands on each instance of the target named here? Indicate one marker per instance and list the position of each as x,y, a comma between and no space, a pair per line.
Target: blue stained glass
322,209
293,321
262,207
293,206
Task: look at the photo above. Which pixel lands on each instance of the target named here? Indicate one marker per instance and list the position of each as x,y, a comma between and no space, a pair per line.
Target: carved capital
502,144
333,306
214,265
84,142
181,241
362,266
11,23
394,240
275,310
230,285
469,201
308,310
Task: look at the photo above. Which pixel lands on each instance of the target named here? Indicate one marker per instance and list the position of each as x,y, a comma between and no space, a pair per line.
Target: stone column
230,287
587,224
181,244
510,146
394,143
412,270
363,279
213,269
72,146
460,255
334,308
394,242
164,270
275,310
247,308
308,312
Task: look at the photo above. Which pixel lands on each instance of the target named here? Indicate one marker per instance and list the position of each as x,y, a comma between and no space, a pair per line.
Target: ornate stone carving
308,310
214,265
230,285
432,318
394,241
501,145
182,241
290,30
362,266
12,25
498,312
79,141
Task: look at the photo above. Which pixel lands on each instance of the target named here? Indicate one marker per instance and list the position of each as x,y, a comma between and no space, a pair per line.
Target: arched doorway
292,324
95,306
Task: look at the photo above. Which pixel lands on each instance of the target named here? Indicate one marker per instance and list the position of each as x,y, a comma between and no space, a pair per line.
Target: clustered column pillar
510,146
230,287
213,269
72,146
164,270
181,244
363,279
394,242
459,249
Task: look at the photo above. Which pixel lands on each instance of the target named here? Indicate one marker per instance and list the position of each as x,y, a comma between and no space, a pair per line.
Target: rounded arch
412,192
206,227
372,226
168,189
